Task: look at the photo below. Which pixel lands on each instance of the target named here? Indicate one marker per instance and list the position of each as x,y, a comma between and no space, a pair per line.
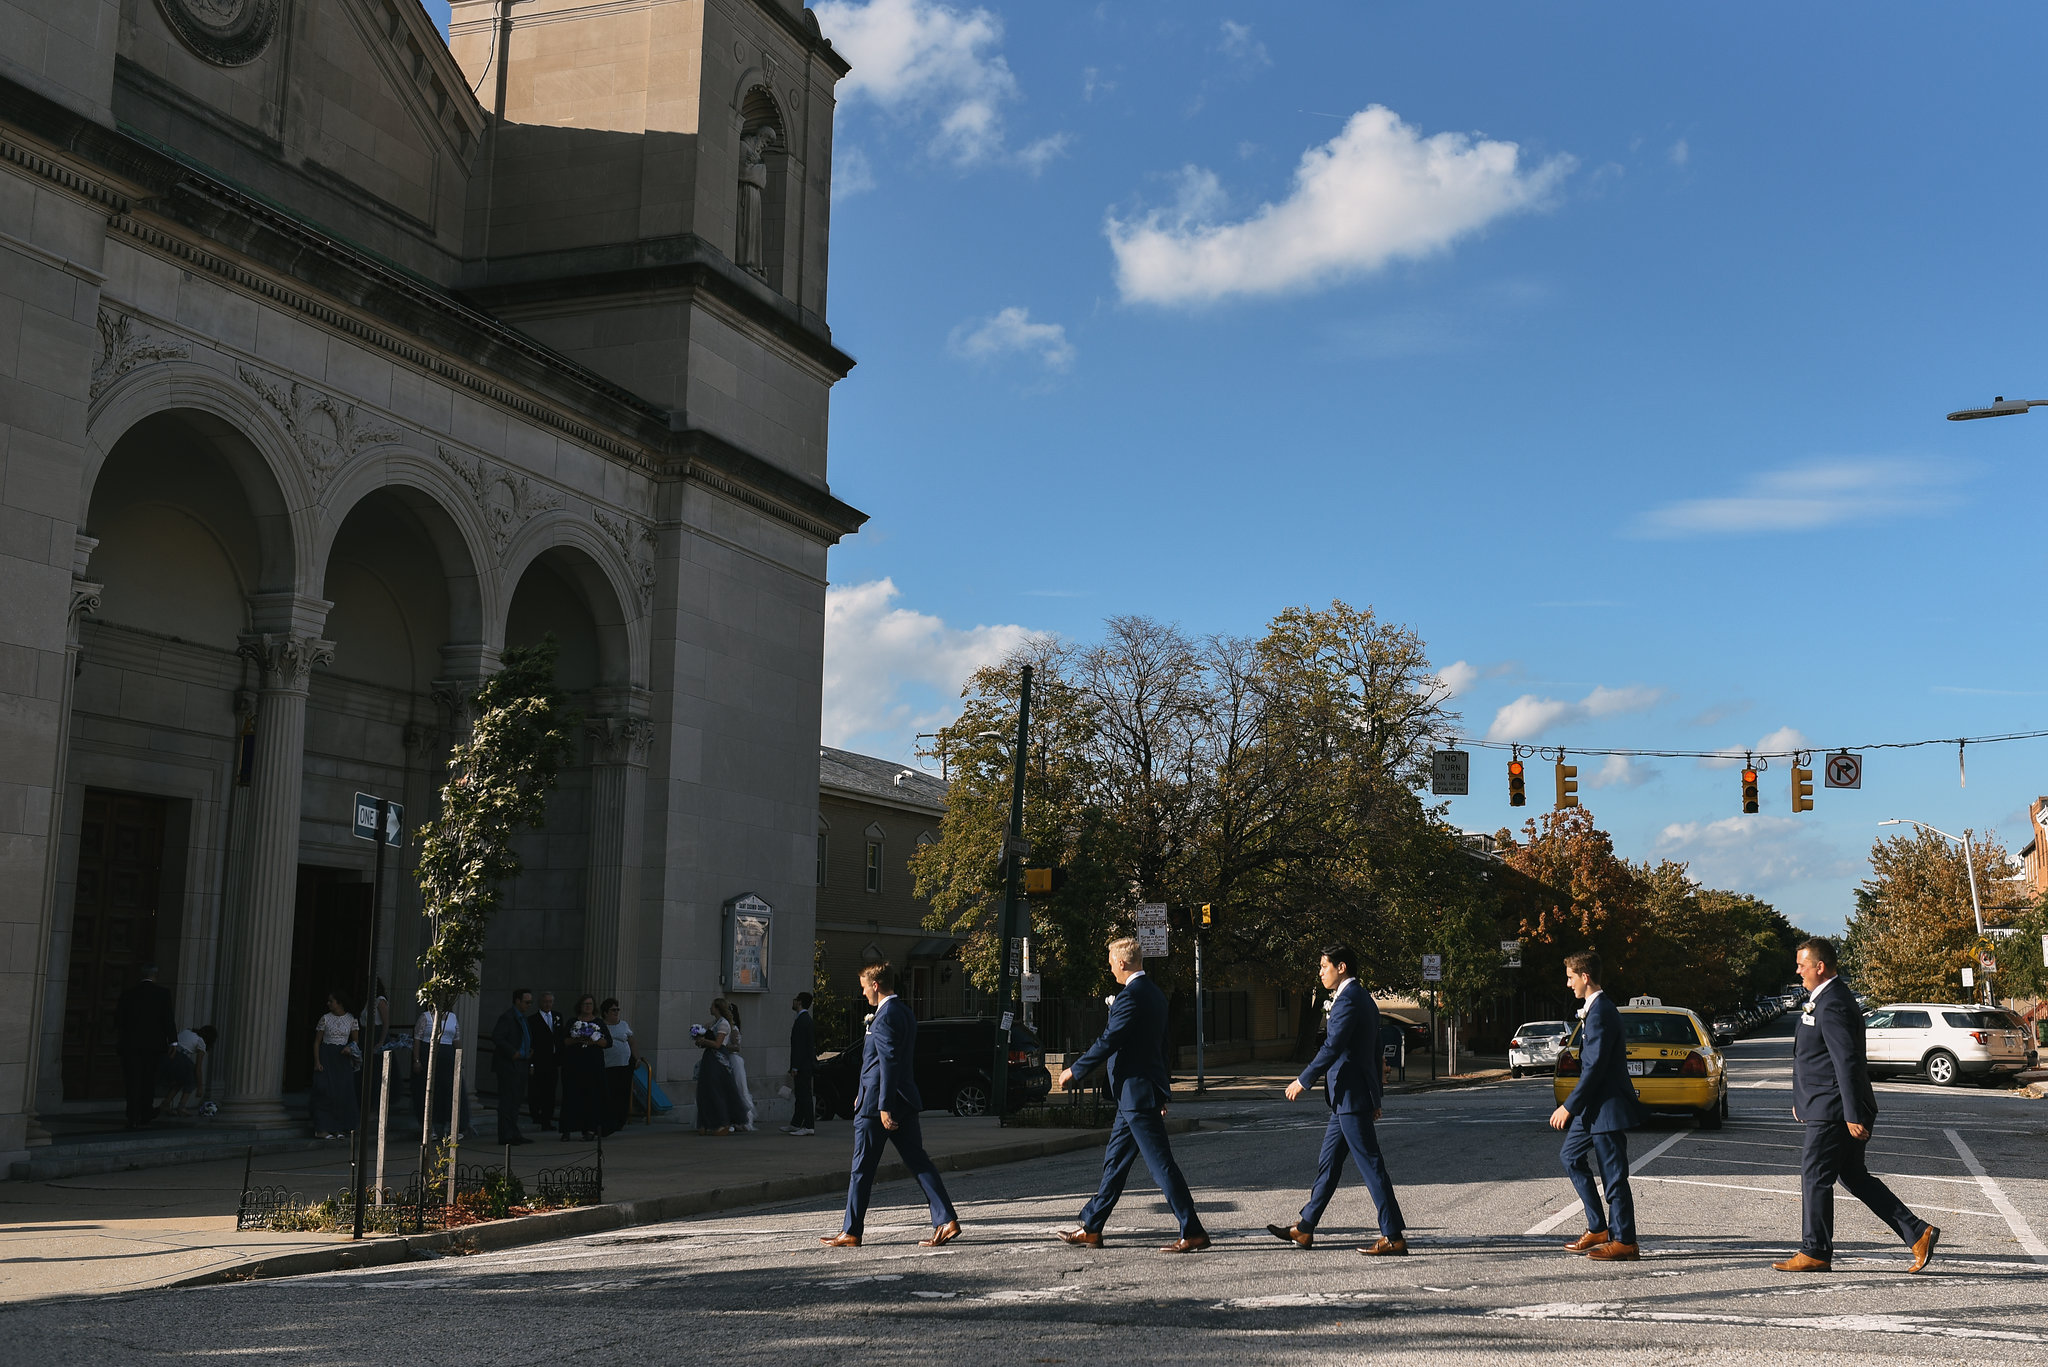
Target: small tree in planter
498,783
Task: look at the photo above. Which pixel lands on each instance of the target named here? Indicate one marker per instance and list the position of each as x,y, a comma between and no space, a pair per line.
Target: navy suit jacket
803,1043
1134,1043
1604,1100
1830,1077
888,1063
1349,1061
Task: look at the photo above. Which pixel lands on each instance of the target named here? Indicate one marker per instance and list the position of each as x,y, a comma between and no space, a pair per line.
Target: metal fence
454,1193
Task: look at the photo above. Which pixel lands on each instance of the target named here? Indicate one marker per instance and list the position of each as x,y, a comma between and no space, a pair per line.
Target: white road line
1796,1167
2013,1219
1867,1324
1633,1168
1774,1191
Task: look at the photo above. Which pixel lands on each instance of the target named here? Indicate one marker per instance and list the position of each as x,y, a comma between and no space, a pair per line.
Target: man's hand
1066,1078
1295,1089
1858,1131
1560,1118
888,1121
1377,1112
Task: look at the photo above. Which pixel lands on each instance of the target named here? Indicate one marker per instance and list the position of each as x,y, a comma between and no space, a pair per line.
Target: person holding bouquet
583,1047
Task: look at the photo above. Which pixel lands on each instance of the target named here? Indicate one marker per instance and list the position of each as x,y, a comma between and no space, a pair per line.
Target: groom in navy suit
885,1112
1134,1044
1349,1065
1597,1117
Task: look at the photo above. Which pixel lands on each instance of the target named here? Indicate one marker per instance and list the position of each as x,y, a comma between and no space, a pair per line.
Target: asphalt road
1488,1211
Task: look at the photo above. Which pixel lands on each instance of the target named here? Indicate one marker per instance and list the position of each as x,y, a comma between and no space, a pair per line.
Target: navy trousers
869,1139
1834,1155
1582,1149
1135,1133
1351,1132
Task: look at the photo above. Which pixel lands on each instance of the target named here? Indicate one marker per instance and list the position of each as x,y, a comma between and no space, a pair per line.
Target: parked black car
954,1054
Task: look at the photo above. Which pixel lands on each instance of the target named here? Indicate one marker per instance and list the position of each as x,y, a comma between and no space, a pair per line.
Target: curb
648,1210
1440,1084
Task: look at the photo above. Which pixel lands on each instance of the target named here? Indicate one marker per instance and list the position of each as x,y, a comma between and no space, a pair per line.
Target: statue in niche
752,235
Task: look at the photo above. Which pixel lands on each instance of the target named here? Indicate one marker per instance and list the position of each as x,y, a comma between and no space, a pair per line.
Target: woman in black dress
583,1046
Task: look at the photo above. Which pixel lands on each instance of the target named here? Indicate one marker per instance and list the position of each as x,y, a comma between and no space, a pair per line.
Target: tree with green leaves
1914,929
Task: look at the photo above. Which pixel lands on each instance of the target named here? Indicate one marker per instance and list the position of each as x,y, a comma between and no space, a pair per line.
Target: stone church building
334,360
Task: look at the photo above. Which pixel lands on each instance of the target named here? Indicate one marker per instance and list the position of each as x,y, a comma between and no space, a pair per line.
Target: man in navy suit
1349,1066
1597,1117
1134,1044
1831,1093
885,1111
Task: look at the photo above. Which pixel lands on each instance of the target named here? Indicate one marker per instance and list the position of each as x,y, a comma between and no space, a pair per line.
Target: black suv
954,1054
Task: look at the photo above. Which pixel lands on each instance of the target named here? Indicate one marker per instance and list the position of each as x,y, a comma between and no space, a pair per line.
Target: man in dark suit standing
1349,1065
1134,1044
512,1060
885,1111
145,1032
543,1030
1597,1117
1831,1094
803,1068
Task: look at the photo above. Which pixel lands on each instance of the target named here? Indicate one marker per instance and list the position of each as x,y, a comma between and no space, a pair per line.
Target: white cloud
1680,153
1622,771
1458,676
1528,717
1013,331
1804,498
1376,192
1784,738
852,173
1749,853
891,672
933,62
1239,45
1038,155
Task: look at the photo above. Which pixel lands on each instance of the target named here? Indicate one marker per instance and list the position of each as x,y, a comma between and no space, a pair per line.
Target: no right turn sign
1844,770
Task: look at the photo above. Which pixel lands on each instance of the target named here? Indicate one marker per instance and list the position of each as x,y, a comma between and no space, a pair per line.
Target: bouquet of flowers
584,1030
698,1032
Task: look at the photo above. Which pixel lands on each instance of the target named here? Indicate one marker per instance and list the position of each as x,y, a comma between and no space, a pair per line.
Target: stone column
259,974
611,885
85,598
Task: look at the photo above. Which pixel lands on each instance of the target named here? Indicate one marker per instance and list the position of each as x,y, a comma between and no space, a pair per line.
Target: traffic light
1749,792
1802,789
1516,797
1567,786
1044,881
1208,914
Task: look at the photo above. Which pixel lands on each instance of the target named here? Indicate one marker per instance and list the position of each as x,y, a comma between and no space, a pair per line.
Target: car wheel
1942,1070
971,1099
1710,1116
1515,1071
1724,1103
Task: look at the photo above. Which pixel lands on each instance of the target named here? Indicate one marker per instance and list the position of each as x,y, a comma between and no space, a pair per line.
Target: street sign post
1511,953
1432,968
1844,770
365,818
1152,930
1450,773
1969,977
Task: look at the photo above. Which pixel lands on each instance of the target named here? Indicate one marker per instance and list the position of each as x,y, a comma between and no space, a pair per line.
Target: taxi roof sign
1645,1001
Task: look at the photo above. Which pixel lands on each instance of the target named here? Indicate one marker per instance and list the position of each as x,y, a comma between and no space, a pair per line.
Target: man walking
512,1060
1349,1066
885,1111
1597,1117
145,1032
543,1033
1134,1044
1831,1093
803,1068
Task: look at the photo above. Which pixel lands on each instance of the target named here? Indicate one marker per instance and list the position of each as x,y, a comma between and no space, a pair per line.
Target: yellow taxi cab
1671,1058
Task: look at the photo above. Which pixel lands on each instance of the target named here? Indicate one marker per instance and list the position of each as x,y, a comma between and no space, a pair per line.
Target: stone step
119,1152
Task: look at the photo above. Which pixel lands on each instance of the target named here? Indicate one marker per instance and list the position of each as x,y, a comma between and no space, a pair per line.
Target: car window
1981,1020
1911,1020
2001,1020
1963,1020
1542,1028
1877,1020
1661,1027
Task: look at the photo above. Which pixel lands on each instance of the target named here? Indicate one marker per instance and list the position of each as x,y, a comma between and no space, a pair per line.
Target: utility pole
370,1074
1014,850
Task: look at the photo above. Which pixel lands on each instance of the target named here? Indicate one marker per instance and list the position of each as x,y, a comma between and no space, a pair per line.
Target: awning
934,947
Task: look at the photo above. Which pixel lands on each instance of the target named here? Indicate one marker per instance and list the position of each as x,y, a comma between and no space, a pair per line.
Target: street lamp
2001,407
1969,863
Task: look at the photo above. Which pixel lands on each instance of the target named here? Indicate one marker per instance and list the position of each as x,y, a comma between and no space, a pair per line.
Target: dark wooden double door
113,931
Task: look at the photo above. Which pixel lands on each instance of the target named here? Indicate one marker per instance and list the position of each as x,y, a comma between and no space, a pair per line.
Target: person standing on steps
145,1033
544,1031
1833,1098
1349,1066
1133,1044
803,1069
512,1061
1597,1117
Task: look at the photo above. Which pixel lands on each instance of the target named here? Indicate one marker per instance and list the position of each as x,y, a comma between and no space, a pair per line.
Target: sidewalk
124,1231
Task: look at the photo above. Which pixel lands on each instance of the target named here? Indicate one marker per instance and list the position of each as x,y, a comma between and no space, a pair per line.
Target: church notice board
748,920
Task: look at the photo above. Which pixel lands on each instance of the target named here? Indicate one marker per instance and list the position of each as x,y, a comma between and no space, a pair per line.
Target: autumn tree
1914,929
1579,895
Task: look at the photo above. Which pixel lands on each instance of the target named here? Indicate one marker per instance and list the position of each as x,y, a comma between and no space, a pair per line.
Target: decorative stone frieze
123,346
506,499
224,32
328,432
637,543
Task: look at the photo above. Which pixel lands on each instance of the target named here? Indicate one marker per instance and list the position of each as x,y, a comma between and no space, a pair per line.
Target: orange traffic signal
1516,797
1749,792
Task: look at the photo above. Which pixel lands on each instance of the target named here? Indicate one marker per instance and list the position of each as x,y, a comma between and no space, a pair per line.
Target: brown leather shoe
941,1234
1293,1234
1586,1242
1187,1243
1081,1238
841,1240
1384,1247
1615,1252
1801,1262
1923,1248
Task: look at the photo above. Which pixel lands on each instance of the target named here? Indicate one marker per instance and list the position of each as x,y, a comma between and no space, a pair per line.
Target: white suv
1535,1046
1949,1041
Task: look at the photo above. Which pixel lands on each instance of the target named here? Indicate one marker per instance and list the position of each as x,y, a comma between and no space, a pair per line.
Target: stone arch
613,590
446,515
246,436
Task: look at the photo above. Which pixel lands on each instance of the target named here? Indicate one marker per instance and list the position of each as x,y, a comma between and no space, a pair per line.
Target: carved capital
85,598
619,740
286,662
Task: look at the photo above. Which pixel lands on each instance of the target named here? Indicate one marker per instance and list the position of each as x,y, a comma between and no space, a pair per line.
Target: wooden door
113,931
330,943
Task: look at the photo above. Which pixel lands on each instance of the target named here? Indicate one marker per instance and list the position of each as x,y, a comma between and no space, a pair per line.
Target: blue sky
1607,345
